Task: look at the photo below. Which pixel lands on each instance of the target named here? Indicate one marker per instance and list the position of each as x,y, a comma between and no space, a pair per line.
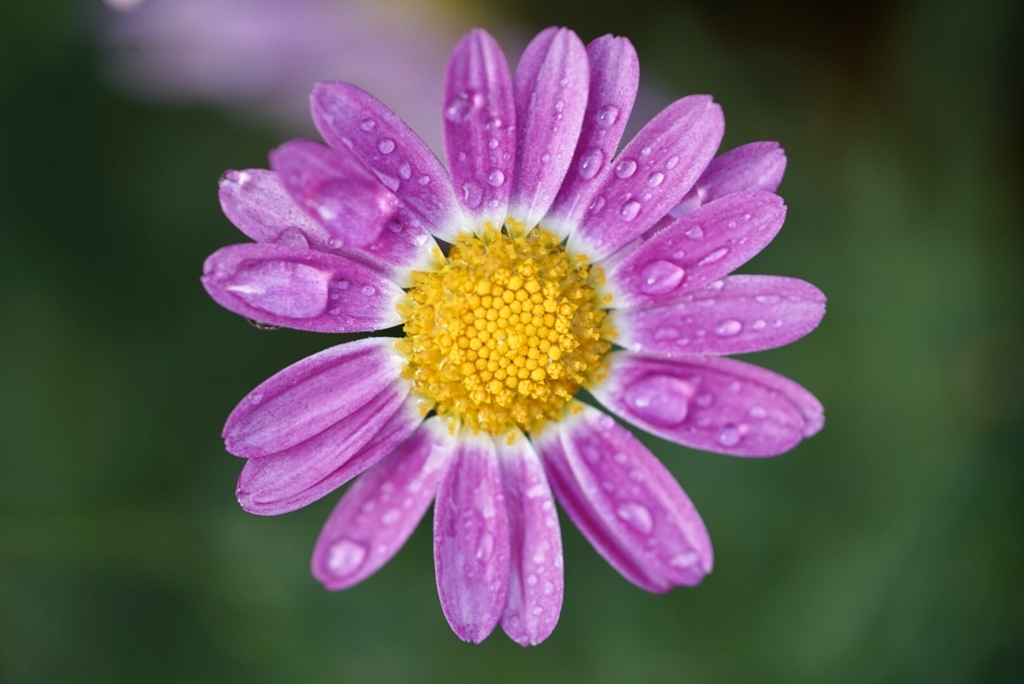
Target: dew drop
625,168
255,398
345,557
660,277
369,290
714,256
637,516
646,152
492,143
728,328
729,436
493,123
390,516
597,205
486,547
629,210
695,232
759,324
262,326
459,107
672,162
655,179
368,124
472,195
607,115
405,170
661,399
590,163
767,299
495,178
386,145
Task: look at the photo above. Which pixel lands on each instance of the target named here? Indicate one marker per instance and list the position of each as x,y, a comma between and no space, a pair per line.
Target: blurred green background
889,548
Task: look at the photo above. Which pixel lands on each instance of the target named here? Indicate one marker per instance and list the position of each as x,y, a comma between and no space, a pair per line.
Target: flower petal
735,315
536,581
754,166
310,396
382,508
694,251
479,127
256,202
651,175
625,502
352,204
710,403
300,288
471,539
352,120
296,477
551,85
614,79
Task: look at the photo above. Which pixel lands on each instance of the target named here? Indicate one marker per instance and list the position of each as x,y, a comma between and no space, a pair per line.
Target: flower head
541,263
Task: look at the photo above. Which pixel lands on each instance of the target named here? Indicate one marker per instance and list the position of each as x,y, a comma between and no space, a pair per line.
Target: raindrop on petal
660,277
661,399
655,179
714,256
637,516
695,232
728,328
386,145
495,178
625,168
729,436
345,557
590,163
629,210
472,194
607,115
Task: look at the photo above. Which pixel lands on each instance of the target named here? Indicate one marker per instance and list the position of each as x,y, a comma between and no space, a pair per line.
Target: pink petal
694,251
710,403
754,166
293,478
471,539
625,502
300,288
651,175
479,127
551,95
382,508
310,396
256,202
536,583
735,315
354,121
614,78
352,204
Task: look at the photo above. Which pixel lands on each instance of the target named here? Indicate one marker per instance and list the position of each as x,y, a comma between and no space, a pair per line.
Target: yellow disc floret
506,331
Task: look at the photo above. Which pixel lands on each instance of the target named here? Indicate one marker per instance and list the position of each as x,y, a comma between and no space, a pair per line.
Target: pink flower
564,267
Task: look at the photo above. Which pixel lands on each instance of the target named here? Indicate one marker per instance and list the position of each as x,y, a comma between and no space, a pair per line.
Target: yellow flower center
506,331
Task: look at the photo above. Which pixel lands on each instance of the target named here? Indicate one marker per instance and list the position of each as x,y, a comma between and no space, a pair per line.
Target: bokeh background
889,548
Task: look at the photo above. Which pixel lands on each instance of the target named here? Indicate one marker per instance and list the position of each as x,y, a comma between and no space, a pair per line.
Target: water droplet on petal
368,124
345,557
646,152
255,398
281,288
655,179
714,256
629,210
607,115
661,399
405,171
486,547
686,559
458,108
695,232
759,324
492,143
495,178
390,516
386,145
368,290
493,123
729,436
704,399
472,194
625,168
423,180
597,205
262,326
660,277
590,163
637,516
672,162
728,328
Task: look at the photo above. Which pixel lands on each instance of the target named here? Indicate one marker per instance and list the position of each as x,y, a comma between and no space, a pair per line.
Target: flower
566,267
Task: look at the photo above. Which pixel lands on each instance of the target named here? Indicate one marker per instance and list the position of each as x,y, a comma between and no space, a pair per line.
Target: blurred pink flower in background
262,57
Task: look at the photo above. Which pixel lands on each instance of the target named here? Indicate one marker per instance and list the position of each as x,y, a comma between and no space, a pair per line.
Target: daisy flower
542,262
